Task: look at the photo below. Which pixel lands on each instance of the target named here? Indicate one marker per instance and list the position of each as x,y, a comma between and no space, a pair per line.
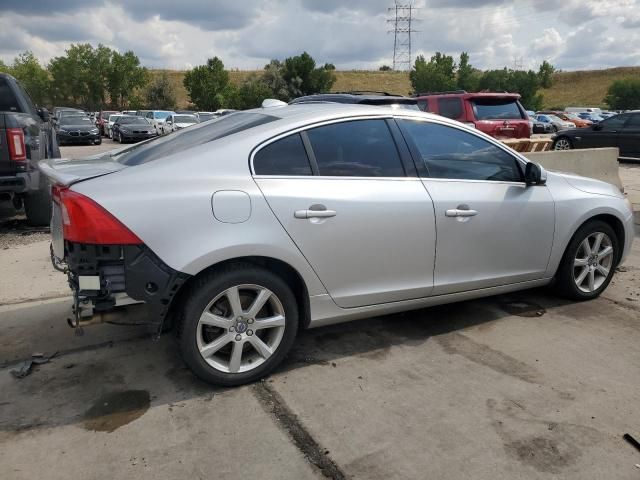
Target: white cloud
178,34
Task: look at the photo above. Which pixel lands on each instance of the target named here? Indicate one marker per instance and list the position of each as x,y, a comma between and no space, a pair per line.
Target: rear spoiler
65,172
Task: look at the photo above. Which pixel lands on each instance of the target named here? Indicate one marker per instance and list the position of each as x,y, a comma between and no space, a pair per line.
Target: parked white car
177,121
156,118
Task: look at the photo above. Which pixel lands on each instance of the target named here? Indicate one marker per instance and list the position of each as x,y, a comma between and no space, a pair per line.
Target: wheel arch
285,271
614,222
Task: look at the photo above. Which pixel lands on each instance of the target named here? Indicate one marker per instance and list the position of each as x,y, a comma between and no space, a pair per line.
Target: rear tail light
84,221
17,148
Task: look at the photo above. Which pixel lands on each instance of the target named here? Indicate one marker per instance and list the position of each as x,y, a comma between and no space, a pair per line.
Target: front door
629,138
365,227
603,134
492,229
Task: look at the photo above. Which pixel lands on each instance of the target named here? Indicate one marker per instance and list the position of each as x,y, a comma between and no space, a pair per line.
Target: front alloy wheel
237,324
593,262
589,262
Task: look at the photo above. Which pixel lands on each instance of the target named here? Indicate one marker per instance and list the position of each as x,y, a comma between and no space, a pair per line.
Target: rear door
629,138
492,229
343,193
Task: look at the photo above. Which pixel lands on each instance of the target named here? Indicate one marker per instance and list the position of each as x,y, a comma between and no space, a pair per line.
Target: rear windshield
206,116
191,137
496,109
8,101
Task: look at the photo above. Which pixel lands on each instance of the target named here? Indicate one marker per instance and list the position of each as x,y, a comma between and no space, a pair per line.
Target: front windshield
185,119
161,115
133,121
76,120
553,118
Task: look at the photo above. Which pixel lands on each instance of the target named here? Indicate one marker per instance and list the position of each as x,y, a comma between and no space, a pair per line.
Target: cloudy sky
177,34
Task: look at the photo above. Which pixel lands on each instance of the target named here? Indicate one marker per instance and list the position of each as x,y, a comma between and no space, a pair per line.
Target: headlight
61,130
93,130
124,130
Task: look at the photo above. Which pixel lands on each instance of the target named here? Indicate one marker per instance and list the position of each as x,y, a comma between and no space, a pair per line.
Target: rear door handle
457,212
314,213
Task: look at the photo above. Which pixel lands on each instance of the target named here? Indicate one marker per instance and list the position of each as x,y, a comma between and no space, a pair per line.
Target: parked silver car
243,230
556,122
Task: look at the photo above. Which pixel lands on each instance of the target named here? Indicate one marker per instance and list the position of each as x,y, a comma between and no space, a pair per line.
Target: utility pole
402,22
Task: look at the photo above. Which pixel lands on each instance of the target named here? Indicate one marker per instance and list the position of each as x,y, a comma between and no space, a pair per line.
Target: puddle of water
521,308
115,409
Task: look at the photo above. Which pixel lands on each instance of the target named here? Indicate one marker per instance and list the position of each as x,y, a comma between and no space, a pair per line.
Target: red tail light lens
17,148
84,221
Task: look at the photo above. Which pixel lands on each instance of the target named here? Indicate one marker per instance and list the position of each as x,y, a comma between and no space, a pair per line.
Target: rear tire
588,263
37,206
562,143
227,342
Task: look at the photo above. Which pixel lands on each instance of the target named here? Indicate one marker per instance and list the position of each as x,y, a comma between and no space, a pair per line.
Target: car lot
523,385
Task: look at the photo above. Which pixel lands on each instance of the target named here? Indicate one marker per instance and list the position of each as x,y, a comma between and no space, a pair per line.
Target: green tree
3,67
124,79
329,66
466,78
33,77
385,68
303,78
545,74
208,84
273,78
436,75
160,93
526,83
252,92
624,94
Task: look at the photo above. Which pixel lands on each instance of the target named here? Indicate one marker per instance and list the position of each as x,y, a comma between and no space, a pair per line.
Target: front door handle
314,213
459,212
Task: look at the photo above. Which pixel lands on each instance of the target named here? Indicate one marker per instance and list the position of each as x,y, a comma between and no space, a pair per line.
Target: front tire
238,324
589,262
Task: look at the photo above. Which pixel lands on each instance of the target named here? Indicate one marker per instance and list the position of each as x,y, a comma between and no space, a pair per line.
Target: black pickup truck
26,137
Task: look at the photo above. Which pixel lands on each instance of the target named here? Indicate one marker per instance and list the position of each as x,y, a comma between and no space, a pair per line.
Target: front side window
614,123
448,152
286,156
360,148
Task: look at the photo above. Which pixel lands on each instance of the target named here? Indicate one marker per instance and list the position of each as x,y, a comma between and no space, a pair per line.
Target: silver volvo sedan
240,231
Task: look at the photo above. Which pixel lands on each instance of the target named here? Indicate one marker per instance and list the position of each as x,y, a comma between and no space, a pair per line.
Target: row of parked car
73,125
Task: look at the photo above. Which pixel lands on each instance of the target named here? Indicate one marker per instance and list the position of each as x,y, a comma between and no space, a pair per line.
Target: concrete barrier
599,163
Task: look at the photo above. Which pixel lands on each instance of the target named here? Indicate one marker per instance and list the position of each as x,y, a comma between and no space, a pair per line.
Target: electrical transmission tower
402,21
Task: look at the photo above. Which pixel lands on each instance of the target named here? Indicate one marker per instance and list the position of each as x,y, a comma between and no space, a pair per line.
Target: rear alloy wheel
562,143
238,325
589,262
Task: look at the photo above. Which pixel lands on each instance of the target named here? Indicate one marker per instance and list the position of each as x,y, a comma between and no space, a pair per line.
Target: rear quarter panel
167,203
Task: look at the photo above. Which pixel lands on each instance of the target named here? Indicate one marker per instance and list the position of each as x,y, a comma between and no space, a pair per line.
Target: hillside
587,87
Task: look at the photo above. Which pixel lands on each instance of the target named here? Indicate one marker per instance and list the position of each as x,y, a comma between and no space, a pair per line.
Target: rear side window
8,101
361,148
634,121
448,152
191,137
286,156
450,107
496,109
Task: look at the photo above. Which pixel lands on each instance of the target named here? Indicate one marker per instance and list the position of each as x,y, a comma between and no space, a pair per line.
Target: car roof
467,95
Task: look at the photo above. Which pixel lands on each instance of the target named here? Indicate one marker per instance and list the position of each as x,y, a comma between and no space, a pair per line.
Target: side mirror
596,126
534,174
43,113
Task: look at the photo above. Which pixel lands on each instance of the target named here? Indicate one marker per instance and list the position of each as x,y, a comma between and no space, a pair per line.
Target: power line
402,22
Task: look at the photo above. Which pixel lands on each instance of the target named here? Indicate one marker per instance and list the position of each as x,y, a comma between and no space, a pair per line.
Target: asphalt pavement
517,386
